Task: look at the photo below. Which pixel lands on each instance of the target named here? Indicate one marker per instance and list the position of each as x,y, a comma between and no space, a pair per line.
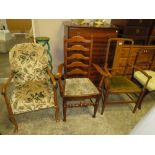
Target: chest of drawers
137,29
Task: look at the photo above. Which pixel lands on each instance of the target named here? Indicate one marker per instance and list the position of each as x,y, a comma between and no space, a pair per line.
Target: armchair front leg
9,108
55,95
59,76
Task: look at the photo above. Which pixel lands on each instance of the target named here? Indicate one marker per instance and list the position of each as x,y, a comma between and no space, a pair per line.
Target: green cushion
122,84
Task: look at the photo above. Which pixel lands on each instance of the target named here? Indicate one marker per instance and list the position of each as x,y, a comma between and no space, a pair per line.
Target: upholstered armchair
34,84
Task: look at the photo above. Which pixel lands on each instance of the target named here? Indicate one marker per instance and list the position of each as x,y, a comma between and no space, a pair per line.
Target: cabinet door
140,22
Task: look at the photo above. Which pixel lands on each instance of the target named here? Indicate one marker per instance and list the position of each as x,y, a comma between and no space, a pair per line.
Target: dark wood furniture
121,56
152,36
120,84
77,65
100,38
137,29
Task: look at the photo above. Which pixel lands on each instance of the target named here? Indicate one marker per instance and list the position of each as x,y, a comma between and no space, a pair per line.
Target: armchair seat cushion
142,79
121,84
31,96
80,87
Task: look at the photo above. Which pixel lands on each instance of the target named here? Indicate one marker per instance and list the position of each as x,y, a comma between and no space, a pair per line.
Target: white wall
54,29
3,22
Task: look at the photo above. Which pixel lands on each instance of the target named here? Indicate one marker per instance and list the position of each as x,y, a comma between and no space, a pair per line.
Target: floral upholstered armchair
34,84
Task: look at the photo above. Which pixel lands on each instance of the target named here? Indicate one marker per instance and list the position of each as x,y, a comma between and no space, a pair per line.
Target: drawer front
101,34
136,31
153,31
140,22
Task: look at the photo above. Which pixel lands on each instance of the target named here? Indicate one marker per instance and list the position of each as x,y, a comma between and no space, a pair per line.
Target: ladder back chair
77,85
34,84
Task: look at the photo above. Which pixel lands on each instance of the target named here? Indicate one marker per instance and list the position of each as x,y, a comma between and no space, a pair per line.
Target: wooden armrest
51,77
107,71
58,76
59,73
6,84
100,70
142,71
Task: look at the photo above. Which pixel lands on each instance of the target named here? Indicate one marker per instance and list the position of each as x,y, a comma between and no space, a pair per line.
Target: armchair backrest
28,62
77,56
113,45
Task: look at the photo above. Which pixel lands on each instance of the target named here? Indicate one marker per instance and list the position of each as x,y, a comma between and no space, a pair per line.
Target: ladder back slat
74,64
77,71
78,56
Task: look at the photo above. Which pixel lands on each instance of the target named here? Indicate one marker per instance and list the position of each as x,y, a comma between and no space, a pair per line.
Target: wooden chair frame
65,65
106,75
149,63
8,105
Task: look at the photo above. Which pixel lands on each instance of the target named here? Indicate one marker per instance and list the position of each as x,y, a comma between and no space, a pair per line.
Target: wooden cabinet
137,29
100,38
122,53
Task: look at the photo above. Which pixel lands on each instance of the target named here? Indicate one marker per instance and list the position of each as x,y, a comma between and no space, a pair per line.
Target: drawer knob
137,30
78,33
140,21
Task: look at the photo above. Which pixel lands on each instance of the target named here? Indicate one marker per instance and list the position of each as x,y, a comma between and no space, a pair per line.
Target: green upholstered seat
120,84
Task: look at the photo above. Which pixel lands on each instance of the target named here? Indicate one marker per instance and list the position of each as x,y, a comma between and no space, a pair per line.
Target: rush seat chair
77,85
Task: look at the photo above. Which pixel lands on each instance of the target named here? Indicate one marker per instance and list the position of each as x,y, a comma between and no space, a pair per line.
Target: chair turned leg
96,106
57,117
64,111
139,101
13,121
104,102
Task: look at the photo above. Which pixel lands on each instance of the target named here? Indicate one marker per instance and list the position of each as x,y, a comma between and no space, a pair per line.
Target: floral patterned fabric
31,96
80,87
28,61
32,90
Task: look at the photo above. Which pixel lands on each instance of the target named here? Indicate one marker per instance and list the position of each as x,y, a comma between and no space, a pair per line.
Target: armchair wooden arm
105,76
60,69
59,76
6,85
51,77
143,72
100,70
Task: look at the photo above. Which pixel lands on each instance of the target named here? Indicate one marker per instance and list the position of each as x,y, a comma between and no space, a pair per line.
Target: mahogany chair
34,84
119,83
77,84
145,59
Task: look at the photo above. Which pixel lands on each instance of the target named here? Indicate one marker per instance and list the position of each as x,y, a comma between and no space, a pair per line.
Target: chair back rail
119,42
77,56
